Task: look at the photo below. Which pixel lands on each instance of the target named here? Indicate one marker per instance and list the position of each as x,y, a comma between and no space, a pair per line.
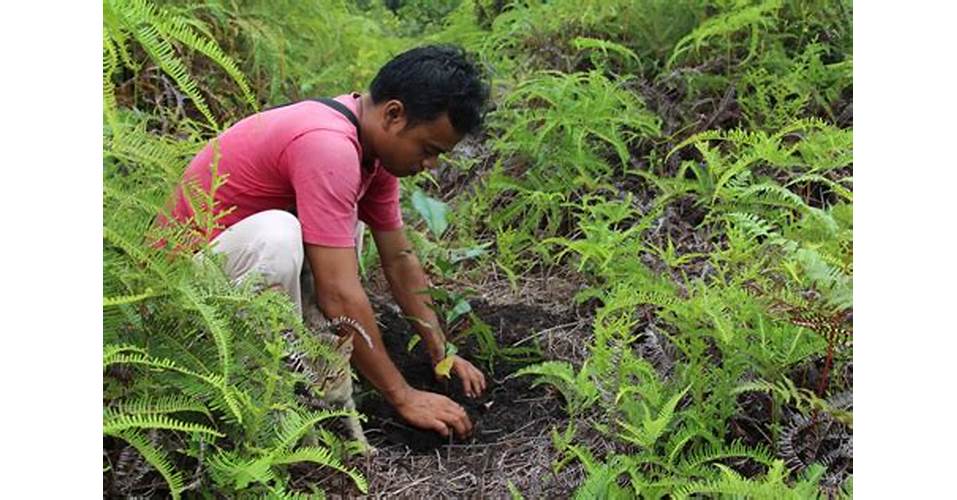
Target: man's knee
279,243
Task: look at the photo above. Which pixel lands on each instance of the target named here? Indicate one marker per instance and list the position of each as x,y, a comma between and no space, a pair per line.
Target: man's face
406,151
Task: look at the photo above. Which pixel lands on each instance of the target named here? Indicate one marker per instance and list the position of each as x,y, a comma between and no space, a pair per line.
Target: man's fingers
459,420
456,424
439,426
480,378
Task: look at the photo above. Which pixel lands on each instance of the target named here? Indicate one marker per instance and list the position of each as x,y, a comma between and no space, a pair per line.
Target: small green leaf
450,349
433,211
460,254
461,307
413,342
444,265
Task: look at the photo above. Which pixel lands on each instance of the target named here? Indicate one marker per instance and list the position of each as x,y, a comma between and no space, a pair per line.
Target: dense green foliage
691,158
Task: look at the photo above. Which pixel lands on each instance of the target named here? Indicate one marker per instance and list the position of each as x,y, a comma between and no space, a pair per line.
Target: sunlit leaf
444,367
433,211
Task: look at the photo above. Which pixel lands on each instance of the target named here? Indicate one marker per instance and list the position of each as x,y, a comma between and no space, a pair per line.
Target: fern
154,29
127,299
602,480
114,424
217,382
578,389
167,404
229,469
772,485
646,431
215,326
723,25
694,460
155,457
324,458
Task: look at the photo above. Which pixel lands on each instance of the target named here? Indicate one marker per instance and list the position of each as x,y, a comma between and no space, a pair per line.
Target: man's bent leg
268,243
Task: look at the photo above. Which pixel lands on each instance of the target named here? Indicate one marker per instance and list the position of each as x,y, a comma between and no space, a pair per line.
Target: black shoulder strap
338,106
332,103
342,109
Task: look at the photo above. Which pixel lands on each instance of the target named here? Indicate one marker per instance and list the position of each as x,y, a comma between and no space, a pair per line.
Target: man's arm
407,281
339,293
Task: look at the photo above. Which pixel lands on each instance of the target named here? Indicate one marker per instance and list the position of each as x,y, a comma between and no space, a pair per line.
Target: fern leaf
700,457
215,381
749,17
836,187
773,194
295,425
324,457
229,470
114,424
601,483
128,299
178,28
167,404
161,51
109,93
215,325
155,457
110,352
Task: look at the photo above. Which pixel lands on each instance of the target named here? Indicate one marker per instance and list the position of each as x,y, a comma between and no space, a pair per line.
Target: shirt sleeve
325,176
379,206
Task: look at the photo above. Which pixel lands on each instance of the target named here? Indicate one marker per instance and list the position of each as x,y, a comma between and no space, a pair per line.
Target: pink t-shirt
303,156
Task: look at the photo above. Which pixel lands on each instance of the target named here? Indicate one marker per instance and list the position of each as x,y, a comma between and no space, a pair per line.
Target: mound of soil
508,403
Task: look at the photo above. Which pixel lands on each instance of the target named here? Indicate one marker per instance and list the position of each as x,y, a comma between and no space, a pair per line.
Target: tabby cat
330,380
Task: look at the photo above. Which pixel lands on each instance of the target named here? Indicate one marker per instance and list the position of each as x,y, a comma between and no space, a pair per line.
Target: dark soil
508,403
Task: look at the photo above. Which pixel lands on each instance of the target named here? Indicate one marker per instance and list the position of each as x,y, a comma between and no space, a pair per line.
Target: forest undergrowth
648,250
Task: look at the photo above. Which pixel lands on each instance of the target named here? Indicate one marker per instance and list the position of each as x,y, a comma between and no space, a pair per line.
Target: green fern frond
324,457
555,370
110,62
114,423
699,457
769,193
128,299
179,29
578,390
230,470
215,325
151,152
162,52
680,439
752,225
752,17
113,30
648,430
112,351
226,393
155,457
167,404
513,492
772,485
295,425
602,481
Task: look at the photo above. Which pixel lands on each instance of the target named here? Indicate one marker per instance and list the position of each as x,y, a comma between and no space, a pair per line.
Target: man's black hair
431,80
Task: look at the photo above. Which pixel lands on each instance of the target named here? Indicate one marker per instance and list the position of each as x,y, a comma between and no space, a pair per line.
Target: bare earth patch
512,421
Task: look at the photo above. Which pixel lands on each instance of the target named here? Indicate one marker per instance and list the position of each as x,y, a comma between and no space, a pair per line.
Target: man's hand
428,410
473,381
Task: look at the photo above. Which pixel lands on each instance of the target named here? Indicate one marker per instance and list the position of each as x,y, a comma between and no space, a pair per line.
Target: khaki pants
269,243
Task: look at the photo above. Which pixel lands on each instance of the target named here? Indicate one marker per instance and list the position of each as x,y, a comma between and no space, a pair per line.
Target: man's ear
393,115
